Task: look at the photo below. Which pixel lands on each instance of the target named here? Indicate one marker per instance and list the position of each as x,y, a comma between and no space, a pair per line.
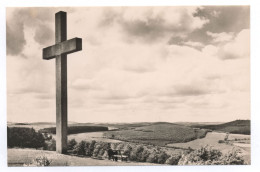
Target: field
157,134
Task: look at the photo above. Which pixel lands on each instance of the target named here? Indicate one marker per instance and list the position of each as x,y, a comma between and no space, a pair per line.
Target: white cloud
238,48
221,37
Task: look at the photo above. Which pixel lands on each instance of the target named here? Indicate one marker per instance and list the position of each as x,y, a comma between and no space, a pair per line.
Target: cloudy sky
137,64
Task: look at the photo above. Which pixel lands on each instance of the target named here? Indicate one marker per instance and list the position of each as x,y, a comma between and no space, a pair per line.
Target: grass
18,157
157,134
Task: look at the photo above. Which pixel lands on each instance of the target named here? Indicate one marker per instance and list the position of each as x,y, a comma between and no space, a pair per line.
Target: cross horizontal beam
65,47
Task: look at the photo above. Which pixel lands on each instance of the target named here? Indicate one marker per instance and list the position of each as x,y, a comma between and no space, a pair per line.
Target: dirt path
18,157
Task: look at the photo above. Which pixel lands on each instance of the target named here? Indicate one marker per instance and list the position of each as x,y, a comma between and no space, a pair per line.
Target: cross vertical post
61,84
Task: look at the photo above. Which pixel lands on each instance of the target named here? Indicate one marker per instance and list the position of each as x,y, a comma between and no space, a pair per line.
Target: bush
136,153
152,158
50,145
71,144
208,156
96,150
24,137
80,148
40,161
91,147
127,150
221,141
162,157
231,158
145,154
173,160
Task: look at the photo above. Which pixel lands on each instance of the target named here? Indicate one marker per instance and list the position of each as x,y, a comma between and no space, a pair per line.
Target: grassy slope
18,157
235,127
157,134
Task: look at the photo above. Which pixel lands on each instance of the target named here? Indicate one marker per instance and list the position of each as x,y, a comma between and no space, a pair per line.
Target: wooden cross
59,51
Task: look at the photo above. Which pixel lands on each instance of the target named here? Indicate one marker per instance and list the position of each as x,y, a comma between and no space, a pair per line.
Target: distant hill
235,127
159,133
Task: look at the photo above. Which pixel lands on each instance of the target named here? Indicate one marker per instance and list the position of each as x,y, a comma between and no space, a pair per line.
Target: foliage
71,144
162,157
173,160
208,156
24,137
40,161
50,145
136,153
152,158
80,148
75,129
127,150
145,154
231,158
221,141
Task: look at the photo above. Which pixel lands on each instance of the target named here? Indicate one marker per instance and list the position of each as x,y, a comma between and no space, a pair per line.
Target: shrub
208,156
162,157
91,147
50,145
40,161
80,148
144,155
231,158
221,141
152,158
96,150
173,160
136,153
24,137
71,144
127,150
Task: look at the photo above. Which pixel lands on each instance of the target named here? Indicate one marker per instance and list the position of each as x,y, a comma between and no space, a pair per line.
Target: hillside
235,127
19,157
157,134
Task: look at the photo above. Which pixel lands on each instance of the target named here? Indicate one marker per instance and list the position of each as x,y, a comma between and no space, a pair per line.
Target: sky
137,64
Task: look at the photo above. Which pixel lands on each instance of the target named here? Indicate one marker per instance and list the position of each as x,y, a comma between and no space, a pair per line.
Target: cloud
43,34
222,19
190,90
15,40
238,48
151,24
221,37
39,20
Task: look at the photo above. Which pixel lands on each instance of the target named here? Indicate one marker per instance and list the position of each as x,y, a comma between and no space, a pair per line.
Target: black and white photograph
128,86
